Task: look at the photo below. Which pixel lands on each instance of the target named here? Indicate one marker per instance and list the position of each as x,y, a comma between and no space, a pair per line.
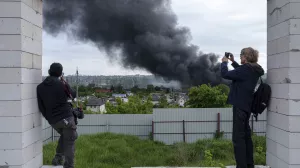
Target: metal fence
189,125
165,125
130,124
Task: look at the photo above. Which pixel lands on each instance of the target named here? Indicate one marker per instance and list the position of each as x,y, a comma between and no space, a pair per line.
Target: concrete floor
166,167
259,166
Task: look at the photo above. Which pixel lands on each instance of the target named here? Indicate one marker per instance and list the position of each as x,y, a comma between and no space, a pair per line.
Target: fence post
219,123
152,130
52,134
183,127
252,124
107,127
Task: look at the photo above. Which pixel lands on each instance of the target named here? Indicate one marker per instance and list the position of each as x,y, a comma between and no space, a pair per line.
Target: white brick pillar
20,72
283,129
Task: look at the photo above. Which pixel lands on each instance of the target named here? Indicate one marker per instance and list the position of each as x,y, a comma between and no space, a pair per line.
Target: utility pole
77,83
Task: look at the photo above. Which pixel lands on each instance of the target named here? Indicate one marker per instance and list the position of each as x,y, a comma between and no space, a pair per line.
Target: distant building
123,97
119,95
102,90
182,99
155,99
96,105
128,93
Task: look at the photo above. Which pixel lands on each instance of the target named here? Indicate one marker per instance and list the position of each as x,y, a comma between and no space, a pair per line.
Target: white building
181,99
123,97
96,105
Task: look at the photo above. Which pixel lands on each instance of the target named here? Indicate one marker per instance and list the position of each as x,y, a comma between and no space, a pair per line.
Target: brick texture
20,68
283,128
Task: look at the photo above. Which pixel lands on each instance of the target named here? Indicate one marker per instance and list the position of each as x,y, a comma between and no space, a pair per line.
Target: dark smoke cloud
145,30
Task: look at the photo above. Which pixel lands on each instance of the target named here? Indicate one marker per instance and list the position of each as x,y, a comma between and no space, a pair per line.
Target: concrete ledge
139,167
168,167
258,166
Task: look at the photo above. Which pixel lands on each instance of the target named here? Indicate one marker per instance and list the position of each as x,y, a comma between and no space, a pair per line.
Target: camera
228,54
78,113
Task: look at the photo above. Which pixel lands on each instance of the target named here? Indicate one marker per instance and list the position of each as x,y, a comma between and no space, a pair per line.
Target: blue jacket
244,80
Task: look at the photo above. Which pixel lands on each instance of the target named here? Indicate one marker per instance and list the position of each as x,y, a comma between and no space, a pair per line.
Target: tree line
202,96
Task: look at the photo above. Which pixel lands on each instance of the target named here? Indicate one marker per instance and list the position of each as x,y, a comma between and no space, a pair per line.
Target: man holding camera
53,101
244,80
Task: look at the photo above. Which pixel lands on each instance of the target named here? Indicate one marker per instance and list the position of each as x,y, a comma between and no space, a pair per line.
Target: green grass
122,151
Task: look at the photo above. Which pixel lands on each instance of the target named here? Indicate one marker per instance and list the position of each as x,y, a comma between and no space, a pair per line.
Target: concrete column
283,129
20,72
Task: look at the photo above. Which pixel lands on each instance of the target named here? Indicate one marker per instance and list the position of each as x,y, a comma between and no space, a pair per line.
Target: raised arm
237,74
235,64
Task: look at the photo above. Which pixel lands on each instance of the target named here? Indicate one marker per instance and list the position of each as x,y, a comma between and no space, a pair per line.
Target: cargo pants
66,143
241,138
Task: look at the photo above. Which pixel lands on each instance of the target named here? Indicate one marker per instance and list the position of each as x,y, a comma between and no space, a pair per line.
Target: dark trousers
241,138
66,142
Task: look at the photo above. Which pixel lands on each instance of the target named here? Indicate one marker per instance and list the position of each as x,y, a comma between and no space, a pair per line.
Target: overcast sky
216,26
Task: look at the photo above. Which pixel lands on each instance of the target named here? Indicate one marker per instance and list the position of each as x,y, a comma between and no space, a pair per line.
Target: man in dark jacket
53,96
244,80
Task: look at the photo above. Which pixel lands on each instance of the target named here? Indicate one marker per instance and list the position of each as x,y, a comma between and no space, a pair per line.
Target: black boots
58,161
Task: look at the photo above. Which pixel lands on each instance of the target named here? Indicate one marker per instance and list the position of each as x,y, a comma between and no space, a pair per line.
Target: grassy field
122,151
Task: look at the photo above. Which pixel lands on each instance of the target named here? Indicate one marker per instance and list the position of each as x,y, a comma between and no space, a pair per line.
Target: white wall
20,72
283,129
97,108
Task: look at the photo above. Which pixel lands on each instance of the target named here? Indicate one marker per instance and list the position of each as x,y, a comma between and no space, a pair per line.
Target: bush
219,134
259,149
208,160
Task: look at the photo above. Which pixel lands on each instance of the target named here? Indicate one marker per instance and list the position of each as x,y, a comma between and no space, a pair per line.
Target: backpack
261,99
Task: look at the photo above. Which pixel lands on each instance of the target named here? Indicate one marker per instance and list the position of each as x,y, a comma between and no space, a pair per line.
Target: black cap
55,70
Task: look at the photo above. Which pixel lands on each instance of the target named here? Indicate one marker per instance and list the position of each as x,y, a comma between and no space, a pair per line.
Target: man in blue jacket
244,80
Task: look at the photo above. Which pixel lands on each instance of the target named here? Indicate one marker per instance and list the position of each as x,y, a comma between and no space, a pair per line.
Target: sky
217,26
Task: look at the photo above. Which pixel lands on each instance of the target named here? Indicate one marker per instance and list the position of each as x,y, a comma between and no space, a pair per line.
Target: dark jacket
244,80
53,100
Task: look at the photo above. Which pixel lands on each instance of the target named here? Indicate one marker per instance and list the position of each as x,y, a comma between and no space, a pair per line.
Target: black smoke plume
146,31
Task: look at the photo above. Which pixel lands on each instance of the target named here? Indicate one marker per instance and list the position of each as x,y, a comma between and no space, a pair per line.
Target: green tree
224,88
150,88
135,105
119,89
102,95
163,102
157,88
135,89
205,96
168,90
112,88
110,109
